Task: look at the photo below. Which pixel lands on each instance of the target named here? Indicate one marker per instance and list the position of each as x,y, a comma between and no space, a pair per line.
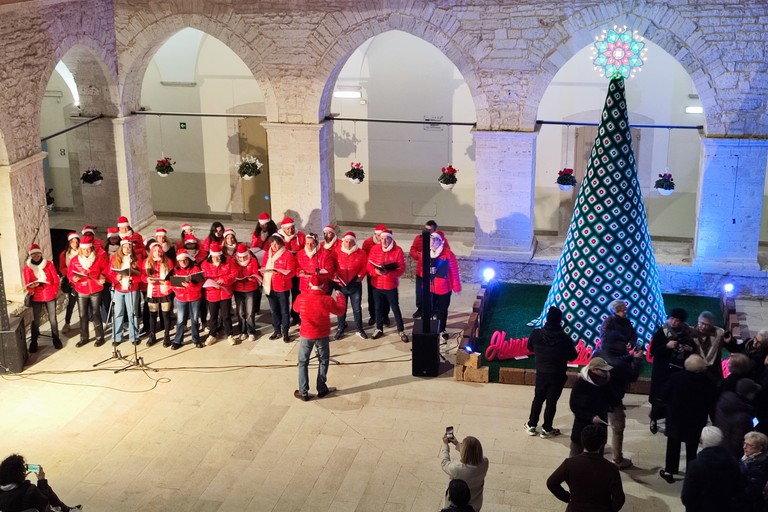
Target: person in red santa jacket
125,275
294,242
125,230
386,263
88,272
187,298
156,273
313,259
315,308
368,244
247,293
219,279
42,281
264,229
351,263
278,267
331,242
444,279
415,253
73,246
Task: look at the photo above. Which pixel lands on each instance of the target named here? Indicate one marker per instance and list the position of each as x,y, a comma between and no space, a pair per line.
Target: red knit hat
72,235
242,249
215,249
86,242
112,232
286,222
330,228
122,222
88,229
349,235
181,254
263,218
315,283
34,248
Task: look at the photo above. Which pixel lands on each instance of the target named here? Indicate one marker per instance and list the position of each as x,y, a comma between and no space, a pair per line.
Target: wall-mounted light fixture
694,110
348,91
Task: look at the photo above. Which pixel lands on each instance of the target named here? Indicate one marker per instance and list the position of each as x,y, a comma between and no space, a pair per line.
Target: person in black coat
754,467
17,494
619,324
590,399
459,496
670,346
553,349
713,482
734,414
689,396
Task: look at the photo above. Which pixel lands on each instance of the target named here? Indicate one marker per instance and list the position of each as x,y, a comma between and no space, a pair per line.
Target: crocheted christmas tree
607,254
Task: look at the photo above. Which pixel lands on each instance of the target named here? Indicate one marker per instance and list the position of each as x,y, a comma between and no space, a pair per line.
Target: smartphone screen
449,432
33,468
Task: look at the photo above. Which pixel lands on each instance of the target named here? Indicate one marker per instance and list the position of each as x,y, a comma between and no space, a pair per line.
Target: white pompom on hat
122,222
387,233
34,248
349,235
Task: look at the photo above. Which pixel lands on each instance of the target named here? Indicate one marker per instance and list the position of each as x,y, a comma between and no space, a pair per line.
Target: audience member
739,367
754,467
713,482
710,339
17,494
458,496
553,349
594,484
734,414
471,467
590,400
618,323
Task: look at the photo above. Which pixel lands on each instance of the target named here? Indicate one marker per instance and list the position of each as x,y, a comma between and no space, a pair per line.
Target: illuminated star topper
618,53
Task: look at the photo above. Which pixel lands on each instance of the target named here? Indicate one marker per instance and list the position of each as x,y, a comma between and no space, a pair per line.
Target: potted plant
355,174
665,184
249,167
447,177
565,179
164,166
92,177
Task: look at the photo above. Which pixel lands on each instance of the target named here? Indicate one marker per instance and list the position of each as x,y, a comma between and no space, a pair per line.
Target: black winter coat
713,482
587,401
690,397
733,416
553,349
25,497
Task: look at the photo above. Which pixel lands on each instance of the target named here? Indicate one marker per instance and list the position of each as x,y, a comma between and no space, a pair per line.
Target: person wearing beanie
73,246
713,465
415,254
590,400
315,307
87,273
265,228
277,268
734,413
156,274
294,242
351,268
331,242
314,260
247,292
42,283
689,396
220,278
187,297
552,349
368,244
710,339
671,344
444,280
386,263
125,275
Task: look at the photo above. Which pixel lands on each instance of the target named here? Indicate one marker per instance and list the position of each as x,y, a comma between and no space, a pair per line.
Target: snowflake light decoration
618,53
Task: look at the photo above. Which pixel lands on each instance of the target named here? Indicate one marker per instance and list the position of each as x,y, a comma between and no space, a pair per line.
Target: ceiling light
349,91
694,110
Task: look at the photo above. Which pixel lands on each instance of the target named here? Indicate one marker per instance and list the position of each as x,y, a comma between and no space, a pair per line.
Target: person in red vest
386,263
315,308
247,293
157,270
125,275
87,273
444,279
351,269
187,299
220,276
42,281
278,267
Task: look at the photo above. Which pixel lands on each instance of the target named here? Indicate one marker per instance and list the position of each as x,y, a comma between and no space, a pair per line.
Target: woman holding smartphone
471,467
19,494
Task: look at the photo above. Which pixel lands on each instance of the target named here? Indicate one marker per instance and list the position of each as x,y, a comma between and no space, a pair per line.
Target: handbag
28,299
65,285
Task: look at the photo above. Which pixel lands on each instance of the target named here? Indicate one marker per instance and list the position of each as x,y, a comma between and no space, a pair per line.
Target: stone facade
507,52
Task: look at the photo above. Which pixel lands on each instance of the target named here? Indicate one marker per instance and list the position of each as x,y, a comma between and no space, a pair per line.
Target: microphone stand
138,361
116,355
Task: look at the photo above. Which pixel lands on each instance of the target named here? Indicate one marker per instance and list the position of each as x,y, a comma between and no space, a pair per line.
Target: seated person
17,494
458,495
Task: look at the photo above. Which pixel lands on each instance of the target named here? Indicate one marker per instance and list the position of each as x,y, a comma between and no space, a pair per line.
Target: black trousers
549,387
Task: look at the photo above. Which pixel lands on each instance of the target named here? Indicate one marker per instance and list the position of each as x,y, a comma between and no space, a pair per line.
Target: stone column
23,219
504,196
301,174
729,204
133,171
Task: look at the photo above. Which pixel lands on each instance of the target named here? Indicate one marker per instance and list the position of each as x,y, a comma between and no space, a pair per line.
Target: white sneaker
234,340
210,340
252,337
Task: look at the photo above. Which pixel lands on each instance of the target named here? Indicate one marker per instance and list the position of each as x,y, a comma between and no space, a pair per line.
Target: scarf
69,255
39,270
112,249
348,252
435,253
86,263
161,274
193,253
125,281
286,237
310,254
267,282
244,263
327,245
387,249
229,250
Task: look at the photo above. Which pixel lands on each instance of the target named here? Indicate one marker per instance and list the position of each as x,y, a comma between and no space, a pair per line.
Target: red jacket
351,265
257,242
391,279
296,243
117,279
369,243
415,252
157,289
451,282
91,284
193,291
315,307
42,292
223,271
307,266
286,261
252,269
63,267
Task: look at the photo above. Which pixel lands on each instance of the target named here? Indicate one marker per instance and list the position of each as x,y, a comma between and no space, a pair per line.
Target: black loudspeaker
426,350
13,349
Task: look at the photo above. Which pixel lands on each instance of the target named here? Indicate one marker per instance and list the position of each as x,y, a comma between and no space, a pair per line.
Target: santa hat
88,229
122,222
126,241
242,249
311,236
330,228
263,218
436,236
86,242
112,232
387,232
189,239
152,243
186,227
379,228
286,222
34,248
315,283
228,232
72,235
349,235
277,237
215,249
181,254
161,231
